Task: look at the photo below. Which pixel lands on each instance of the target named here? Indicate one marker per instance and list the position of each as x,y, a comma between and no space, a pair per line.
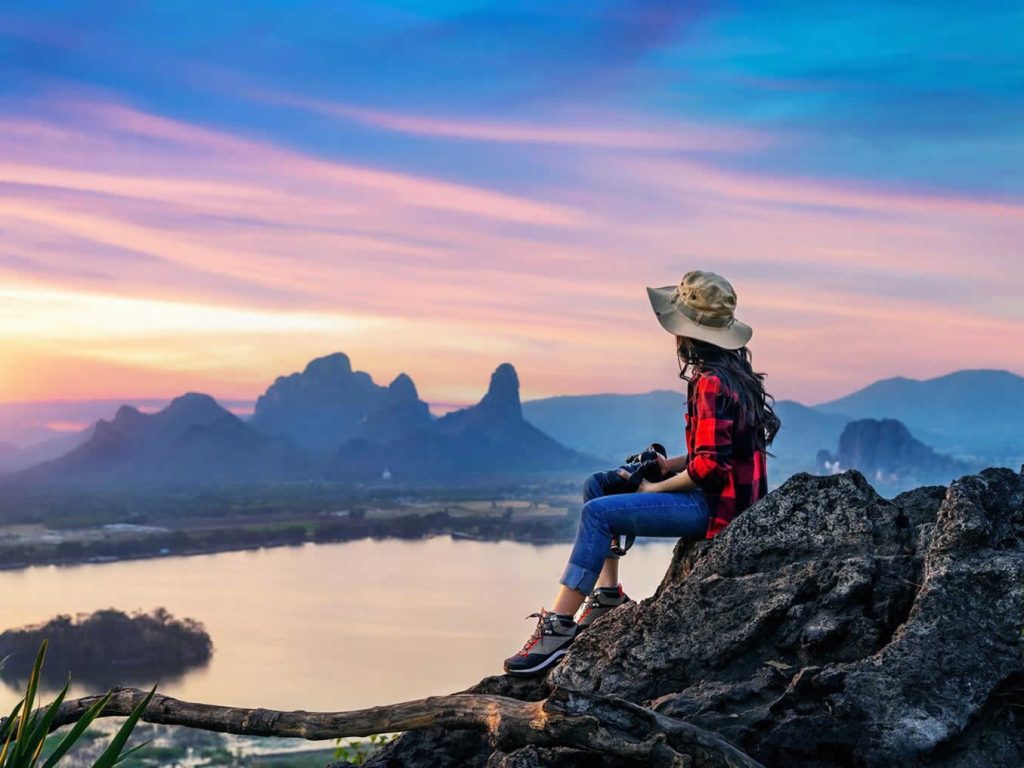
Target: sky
203,196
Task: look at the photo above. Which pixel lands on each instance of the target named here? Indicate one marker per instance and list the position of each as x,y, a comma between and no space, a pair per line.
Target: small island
107,647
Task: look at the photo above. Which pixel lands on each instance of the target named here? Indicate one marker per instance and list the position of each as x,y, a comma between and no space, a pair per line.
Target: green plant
24,733
358,752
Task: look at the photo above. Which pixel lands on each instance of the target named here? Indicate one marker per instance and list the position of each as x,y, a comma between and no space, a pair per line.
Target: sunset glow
209,224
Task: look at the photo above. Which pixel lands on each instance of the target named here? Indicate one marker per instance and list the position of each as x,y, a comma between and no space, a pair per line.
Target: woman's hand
645,485
663,464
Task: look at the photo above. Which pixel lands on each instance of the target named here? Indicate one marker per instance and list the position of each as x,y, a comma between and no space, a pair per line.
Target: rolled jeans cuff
580,579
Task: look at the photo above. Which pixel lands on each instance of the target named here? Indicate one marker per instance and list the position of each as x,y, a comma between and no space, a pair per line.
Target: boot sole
543,665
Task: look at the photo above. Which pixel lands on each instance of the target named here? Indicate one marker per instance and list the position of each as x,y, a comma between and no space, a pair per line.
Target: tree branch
605,724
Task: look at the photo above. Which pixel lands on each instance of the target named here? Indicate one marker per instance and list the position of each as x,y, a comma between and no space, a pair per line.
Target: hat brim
672,320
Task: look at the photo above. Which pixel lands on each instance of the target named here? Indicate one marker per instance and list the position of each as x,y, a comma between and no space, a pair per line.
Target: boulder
826,626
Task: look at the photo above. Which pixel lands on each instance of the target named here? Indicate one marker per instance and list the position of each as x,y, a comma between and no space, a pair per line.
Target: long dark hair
733,368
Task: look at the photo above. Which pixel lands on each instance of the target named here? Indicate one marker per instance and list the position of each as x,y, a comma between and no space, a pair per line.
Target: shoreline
152,542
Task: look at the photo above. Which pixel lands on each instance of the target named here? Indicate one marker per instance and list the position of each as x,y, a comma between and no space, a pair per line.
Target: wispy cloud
597,131
437,189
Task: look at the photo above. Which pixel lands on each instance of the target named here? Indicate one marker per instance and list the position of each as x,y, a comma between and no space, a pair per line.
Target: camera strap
620,550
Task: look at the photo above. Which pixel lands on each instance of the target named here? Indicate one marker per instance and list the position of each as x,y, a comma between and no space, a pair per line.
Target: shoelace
591,603
538,632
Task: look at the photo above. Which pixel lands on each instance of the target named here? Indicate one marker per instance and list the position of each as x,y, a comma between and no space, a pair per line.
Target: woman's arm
671,464
676,483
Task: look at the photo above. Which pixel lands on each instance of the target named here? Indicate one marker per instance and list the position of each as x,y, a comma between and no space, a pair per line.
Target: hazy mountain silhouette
329,403
365,429
45,450
887,453
482,441
193,440
612,426
398,413
973,412
804,432
331,421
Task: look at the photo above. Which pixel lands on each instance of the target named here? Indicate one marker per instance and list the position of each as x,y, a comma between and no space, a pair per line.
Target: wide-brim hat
701,307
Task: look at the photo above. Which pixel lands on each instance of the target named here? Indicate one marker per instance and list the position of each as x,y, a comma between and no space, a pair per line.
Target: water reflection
325,626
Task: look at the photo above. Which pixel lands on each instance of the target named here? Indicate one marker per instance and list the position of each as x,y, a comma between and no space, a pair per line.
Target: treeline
85,507
355,525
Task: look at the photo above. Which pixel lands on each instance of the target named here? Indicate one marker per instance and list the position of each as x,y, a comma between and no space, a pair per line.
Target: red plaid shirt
722,457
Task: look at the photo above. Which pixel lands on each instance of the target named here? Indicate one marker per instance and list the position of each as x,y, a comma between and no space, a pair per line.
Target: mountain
191,441
329,403
488,440
50,448
805,431
968,413
888,454
28,424
612,426
399,412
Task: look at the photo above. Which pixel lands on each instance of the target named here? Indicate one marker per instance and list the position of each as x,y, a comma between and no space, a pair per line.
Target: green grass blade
7,730
42,728
109,757
136,748
75,733
21,751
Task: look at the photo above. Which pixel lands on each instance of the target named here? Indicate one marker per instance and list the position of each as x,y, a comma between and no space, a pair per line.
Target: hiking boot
599,602
548,643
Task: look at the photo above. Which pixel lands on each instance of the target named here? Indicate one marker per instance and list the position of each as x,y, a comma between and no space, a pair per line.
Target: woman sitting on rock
729,425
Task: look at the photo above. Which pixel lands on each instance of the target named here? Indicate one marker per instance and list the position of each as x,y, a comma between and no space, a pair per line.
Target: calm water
329,626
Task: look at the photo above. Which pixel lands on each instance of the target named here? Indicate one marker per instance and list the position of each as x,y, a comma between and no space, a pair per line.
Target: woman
730,423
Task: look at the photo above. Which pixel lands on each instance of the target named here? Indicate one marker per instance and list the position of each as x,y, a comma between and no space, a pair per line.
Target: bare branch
604,724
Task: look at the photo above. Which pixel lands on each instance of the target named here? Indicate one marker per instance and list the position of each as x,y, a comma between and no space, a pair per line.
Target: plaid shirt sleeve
710,462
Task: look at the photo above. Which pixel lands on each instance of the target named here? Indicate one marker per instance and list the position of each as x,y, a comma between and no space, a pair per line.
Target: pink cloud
609,133
460,277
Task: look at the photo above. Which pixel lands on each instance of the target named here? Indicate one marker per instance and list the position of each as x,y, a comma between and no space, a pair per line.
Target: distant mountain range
976,417
977,413
191,441
327,422
332,422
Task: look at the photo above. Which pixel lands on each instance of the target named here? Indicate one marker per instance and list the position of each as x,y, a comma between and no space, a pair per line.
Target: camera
642,465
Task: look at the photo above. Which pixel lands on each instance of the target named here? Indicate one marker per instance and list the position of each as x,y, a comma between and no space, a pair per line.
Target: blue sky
914,94
509,176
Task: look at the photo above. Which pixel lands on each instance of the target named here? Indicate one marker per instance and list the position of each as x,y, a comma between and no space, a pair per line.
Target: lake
329,627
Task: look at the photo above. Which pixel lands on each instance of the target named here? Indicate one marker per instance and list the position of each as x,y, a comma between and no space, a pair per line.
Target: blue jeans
606,515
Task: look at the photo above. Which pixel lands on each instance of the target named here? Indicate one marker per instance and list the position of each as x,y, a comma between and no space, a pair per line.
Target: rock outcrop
891,457
321,407
826,626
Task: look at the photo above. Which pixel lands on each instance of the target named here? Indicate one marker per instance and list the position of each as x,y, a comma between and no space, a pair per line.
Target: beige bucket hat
701,307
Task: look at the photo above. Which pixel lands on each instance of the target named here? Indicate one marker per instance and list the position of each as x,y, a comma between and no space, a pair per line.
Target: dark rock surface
826,626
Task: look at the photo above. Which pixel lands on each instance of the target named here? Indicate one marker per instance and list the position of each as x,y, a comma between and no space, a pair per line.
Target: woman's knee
592,487
593,514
